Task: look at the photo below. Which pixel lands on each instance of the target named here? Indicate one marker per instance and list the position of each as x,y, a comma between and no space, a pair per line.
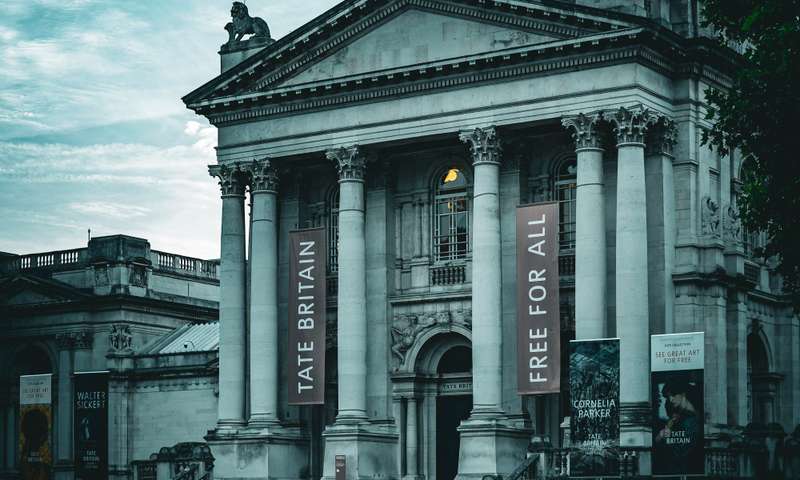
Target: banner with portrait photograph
91,426
35,427
594,401
677,362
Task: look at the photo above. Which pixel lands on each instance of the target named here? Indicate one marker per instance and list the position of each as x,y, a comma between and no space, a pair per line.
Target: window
451,216
566,188
333,230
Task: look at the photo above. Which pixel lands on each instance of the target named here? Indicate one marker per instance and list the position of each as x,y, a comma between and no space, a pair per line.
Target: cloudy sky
93,134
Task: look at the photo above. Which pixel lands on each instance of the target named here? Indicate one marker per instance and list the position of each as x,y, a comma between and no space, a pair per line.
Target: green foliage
759,117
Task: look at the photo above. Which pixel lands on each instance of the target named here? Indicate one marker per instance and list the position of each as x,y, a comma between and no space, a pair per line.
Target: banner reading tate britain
307,312
35,427
677,363
538,319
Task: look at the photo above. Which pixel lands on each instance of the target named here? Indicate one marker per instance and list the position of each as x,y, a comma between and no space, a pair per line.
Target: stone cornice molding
484,145
350,163
585,131
264,176
630,124
232,179
662,137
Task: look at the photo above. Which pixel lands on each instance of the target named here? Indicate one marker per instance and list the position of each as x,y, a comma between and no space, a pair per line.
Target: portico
412,151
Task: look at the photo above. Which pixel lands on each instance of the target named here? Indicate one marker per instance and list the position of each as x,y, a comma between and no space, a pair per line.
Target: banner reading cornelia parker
35,427
594,401
91,425
538,319
307,312
677,363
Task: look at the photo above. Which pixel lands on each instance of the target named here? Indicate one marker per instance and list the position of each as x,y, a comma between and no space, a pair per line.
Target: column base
636,433
63,470
273,452
490,446
371,451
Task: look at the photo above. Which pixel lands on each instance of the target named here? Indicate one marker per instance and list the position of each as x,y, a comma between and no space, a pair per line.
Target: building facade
147,317
411,130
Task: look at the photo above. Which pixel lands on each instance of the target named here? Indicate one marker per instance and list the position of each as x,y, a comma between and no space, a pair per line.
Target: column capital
584,129
631,124
65,341
80,340
484,145
264,176
662,137
232,179
350,163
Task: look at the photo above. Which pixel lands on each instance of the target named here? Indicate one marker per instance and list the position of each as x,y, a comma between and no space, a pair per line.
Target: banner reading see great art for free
677,364
35,427
594,401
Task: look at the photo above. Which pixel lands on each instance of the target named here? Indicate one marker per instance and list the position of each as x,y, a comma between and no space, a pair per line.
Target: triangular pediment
30,290
358,38
414,37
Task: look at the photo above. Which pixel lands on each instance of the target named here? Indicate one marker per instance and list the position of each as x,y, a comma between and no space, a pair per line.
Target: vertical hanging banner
677,364
307,312
538,319
594,401
91,425
35,427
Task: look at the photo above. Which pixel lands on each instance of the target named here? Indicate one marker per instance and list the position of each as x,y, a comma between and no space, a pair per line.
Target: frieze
81,340
407,327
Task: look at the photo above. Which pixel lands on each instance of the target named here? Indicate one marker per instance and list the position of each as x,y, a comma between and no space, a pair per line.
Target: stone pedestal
370,452
490,447
277,453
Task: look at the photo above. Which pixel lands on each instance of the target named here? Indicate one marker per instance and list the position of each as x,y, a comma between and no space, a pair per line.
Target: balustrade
443,275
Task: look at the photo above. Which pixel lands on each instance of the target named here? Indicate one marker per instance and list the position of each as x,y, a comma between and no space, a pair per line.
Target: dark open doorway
450,412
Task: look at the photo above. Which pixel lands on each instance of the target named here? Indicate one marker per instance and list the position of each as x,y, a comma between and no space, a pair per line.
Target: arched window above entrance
456,360
566,177
451,221
333,229
32,361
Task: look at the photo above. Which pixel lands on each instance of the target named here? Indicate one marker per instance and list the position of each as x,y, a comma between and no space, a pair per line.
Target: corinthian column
486,272
590,229
633,321
232,304
352,312
264,377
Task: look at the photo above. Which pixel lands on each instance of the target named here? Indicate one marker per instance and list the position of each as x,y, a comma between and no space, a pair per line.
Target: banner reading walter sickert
36,420
307,312
677,363
91,425
594,401
538,319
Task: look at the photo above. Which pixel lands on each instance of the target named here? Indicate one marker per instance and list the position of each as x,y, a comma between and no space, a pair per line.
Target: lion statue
243,24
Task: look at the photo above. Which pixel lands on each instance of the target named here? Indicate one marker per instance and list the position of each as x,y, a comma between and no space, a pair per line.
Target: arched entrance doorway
432,397
453,405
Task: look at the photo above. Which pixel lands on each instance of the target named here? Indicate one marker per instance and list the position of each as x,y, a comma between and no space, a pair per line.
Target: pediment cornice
44,291
349,20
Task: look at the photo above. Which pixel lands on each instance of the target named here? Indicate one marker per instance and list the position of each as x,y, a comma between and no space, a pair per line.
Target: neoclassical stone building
411,130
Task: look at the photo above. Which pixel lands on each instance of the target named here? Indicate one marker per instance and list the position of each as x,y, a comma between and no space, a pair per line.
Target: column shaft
65,370
264,375
632,277
590,246
486,272
352,297
412,446
232,304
